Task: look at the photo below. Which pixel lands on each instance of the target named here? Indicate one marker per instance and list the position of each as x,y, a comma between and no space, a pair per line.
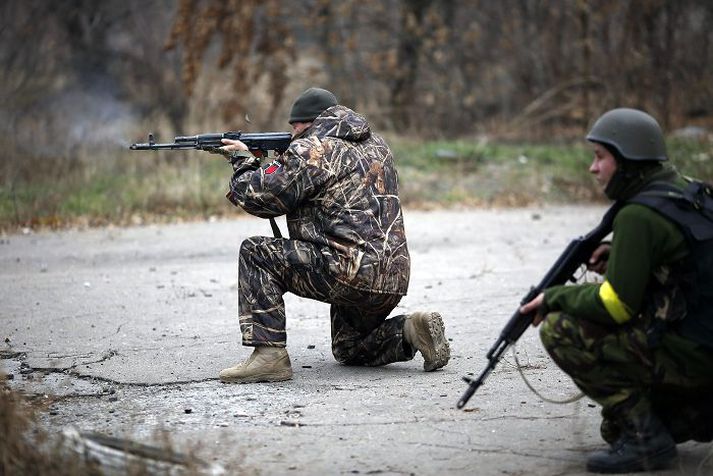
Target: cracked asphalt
124,330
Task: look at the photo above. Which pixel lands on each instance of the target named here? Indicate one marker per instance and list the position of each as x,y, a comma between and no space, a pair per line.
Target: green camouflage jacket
646,249
337,184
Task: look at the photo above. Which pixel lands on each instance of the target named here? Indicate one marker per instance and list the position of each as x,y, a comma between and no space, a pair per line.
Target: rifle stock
576,254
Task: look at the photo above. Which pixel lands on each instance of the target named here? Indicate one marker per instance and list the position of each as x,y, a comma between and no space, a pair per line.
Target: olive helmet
633,133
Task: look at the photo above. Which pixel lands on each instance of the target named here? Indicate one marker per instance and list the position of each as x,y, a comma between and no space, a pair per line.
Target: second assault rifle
575,255
256,141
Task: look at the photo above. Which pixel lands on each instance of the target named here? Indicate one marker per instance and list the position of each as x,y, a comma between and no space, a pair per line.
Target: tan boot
425,332
265,364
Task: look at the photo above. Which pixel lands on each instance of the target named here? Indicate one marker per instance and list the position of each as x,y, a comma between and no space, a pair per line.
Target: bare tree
524,68
255,39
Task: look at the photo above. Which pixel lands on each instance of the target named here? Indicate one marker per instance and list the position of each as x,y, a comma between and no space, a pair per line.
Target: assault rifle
575,255
256,141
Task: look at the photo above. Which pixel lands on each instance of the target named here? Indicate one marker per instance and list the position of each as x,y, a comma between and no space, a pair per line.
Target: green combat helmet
633,133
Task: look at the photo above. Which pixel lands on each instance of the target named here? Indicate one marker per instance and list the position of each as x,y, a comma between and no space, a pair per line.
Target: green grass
477,173
128,189
124,187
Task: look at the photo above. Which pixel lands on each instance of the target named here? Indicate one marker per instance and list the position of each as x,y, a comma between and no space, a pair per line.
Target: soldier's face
603,166
299,127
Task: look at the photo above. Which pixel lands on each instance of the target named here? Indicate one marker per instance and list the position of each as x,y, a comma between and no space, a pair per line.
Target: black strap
275,228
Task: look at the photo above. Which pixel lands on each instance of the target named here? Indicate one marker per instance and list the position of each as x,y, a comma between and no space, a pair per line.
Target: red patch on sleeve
272,167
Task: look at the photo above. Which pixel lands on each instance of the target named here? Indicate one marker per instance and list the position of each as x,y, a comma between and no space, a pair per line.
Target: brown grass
28,449
25,449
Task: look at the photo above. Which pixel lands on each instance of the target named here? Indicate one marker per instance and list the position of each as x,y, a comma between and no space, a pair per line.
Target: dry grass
116,186
26,448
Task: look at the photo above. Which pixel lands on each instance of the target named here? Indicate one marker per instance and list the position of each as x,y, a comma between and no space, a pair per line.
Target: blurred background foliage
484,102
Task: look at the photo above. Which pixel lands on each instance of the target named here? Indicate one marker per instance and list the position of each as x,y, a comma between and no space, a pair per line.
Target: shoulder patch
272,168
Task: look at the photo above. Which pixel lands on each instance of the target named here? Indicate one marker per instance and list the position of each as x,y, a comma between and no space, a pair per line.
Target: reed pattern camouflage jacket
337,185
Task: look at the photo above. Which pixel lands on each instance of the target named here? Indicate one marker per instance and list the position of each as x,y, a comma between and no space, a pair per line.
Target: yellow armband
616,308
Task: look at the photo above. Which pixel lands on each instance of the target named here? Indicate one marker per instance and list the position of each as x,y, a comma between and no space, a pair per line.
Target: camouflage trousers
620,368
361,332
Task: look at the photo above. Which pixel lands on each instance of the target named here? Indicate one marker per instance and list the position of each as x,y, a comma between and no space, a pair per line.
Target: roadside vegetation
25,449
119,187
91,77
29,448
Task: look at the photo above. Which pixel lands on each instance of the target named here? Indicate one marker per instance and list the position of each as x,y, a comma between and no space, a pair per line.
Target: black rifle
575,255
256,141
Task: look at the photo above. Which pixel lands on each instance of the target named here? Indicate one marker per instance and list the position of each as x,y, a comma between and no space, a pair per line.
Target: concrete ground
123,331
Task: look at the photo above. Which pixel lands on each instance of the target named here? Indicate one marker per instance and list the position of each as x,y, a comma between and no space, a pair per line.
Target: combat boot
644,445
424,331
265,364
692,420
610,428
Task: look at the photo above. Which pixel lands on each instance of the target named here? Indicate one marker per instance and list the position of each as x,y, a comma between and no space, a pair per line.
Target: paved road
123,331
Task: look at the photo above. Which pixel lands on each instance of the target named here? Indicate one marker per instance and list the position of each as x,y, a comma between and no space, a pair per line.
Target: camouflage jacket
337,184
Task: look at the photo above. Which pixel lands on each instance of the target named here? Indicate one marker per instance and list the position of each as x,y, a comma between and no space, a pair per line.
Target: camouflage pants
619,369
361,332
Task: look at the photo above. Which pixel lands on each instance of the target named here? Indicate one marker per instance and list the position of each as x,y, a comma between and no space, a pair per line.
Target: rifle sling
275,229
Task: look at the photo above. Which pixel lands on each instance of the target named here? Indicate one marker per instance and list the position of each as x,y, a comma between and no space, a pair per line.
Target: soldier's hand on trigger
535,305
598,260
